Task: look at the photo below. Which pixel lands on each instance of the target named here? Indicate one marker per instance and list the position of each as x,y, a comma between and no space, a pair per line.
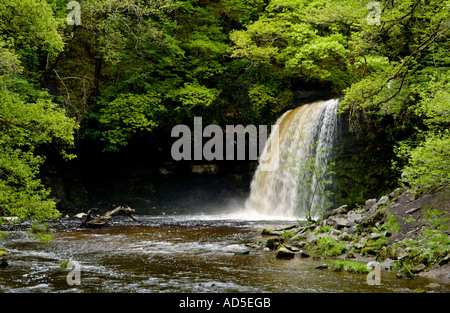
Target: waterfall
306,137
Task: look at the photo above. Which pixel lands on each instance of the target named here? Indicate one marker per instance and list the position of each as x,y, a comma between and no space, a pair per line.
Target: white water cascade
306,133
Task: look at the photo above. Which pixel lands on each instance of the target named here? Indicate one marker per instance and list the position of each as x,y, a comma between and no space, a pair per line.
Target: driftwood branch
98,222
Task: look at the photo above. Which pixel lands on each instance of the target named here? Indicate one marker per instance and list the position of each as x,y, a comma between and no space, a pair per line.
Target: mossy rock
387,252
405,273
373,246
283,252
64,264
267,232
3,252
273,243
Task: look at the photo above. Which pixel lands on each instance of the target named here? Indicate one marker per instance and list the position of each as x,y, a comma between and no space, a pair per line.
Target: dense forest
115,75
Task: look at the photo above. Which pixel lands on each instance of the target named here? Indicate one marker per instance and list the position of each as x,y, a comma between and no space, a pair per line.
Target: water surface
192,253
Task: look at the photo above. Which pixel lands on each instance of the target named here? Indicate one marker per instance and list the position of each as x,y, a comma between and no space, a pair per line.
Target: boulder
407,196
345,236
246,252
358,245
334,233
445,259
340,210
397,192
283,252
321,267
10,219
292,248
354,217
310,237
418,268
273,243
411,211
383,200
370,203
303,254
375,236
339,222
405,273
387,264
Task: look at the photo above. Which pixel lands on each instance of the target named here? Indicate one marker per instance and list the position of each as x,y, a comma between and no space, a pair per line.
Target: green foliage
349,266
287,234
436,218
429,249
29,119
193,95
393,225
29,24
326,246
133,67
372,247
304,37
24,126
322,229
42,232
428,167
403,95
127,115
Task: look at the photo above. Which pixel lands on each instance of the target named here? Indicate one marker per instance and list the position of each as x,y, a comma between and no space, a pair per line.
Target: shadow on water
178,253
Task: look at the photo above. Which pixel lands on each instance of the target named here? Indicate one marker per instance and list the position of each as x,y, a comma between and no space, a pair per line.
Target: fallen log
98,222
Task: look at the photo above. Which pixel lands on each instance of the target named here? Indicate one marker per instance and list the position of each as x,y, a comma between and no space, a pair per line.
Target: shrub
349,266
328,247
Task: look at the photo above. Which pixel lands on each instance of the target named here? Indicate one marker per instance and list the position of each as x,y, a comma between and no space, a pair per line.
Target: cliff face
143,177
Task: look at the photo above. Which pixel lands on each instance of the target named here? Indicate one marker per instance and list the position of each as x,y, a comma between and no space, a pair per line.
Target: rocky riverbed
398,231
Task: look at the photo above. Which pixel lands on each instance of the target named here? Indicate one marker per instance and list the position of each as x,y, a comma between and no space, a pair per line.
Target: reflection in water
173,254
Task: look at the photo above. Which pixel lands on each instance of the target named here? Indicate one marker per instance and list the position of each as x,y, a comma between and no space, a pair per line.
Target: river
173,253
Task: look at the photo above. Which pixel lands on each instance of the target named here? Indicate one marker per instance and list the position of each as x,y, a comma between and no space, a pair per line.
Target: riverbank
403,234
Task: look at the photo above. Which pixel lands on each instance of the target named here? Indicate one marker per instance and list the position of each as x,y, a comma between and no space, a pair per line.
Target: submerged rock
434,286
247,252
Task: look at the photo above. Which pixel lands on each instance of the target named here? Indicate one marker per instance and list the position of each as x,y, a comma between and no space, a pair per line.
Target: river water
172,253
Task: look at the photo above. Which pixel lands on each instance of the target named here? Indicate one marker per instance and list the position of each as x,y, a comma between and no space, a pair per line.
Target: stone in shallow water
283,252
